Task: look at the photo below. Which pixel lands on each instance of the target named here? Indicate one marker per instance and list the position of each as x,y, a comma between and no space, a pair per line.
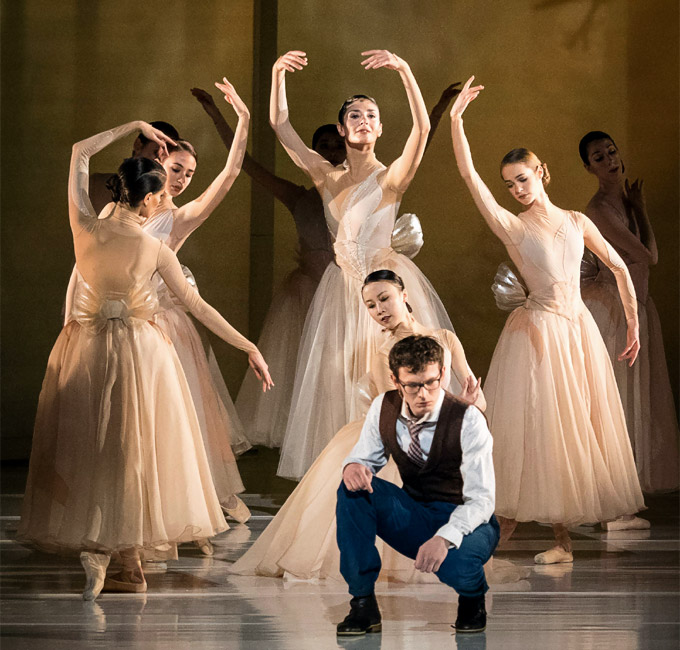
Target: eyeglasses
429,385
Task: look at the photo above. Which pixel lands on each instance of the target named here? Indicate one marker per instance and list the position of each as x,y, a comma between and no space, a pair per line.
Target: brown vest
440,478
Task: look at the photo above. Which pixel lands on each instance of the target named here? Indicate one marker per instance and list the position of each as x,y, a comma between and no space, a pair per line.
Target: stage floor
621,593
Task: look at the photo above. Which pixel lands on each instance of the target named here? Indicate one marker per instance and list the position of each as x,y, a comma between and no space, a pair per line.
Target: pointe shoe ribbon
95,571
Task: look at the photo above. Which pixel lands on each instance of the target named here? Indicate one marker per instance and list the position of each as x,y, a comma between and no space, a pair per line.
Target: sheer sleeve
605,251
170,270
505,225
82,215
459,365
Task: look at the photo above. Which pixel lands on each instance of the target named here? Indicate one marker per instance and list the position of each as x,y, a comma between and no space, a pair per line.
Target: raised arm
636,198
170,270
193,214
503,223
312,163
594,240
401,172
284,190
80,211
440,108
471,391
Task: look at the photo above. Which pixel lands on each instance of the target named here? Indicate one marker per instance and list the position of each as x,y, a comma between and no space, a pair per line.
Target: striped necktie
414,452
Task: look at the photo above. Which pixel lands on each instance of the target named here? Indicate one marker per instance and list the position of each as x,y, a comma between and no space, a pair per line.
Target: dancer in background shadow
118,462
265,416
619,211
300,542
561,450
361,198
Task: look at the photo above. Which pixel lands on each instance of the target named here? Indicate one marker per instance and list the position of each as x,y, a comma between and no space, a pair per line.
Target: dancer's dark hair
414,353
136,177
164,127
594,136
348,102
385,275
183,145
323,130
523,155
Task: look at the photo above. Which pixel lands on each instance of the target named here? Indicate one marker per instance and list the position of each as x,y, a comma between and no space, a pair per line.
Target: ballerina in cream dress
561,449
361,199
118,462
619,211
300,541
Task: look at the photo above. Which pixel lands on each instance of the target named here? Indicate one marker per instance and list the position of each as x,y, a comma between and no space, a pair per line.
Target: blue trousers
405,524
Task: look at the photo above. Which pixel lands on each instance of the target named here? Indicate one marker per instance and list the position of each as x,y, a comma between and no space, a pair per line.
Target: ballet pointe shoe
555,555
205,546
626,523
131,579
239,511
95,571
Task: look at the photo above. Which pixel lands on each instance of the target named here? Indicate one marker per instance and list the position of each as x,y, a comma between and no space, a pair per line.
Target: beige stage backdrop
553,69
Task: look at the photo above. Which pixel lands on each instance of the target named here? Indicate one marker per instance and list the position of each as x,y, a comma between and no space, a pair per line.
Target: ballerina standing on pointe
118,463
264,416
619,211
361,198
561,450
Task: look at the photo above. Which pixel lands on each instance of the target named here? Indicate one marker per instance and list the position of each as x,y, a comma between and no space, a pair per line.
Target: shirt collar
432,416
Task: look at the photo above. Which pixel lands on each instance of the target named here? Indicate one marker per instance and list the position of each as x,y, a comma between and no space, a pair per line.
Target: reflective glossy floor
621,593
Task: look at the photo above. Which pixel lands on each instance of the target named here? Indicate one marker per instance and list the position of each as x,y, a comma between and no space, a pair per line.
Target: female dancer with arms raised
619,211
220,426
300,541
561,450
118,464
361,199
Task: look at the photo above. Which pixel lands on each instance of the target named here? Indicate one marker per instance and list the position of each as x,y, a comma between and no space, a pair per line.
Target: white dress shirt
479,485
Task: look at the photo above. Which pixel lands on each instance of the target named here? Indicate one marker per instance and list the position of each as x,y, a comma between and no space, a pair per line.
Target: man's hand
357,477
431,554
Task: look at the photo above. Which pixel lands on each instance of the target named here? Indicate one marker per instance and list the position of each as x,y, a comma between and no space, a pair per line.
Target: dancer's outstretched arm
170,270
594,240
503,223
312,163
284,190
80,210
193,214
636,198
401,172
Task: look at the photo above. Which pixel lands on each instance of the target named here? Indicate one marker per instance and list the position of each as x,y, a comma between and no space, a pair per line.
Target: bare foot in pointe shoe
205,546
95,571
555,555
626,523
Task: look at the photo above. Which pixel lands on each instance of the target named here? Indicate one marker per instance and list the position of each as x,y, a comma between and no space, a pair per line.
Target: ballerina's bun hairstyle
523,155
164,127
183,145
385,275
136,178
594,136
414,353
348,102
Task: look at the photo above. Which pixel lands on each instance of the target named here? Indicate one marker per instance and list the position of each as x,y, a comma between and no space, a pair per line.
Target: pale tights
560,531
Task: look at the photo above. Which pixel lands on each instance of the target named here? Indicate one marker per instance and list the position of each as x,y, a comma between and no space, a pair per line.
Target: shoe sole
475,631
372,629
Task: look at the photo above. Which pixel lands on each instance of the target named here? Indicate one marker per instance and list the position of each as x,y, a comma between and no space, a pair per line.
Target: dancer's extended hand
231,96
471,389
465,97
632,344
431,554
291,61
357,477
261,369
383,59
206,100
157,136
635,195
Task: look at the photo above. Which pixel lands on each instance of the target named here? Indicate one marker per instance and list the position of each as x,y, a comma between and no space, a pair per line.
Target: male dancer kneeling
443,515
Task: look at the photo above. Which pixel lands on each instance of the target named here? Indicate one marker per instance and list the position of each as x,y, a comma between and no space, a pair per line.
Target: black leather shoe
471,615
364,616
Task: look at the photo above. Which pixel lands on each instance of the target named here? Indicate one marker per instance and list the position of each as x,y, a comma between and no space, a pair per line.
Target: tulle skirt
216,414
338,340
561,449
645,388
264,415
117,459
